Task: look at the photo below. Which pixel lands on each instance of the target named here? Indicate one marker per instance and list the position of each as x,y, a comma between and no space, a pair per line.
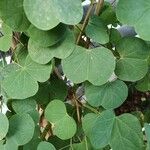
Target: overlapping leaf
52,12
56,114
6,38
89,64
132,65
21,83
97,30
139,18
61,50
121,132
12,13
47,38
4,125
110,95
45,146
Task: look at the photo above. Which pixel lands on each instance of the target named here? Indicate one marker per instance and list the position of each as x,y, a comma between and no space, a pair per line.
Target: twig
99,7
85,22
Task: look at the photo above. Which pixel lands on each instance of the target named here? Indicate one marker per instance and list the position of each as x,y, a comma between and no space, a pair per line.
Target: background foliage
75,81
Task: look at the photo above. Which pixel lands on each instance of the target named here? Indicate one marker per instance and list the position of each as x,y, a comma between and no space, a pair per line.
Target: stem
85,21
99,7
91,108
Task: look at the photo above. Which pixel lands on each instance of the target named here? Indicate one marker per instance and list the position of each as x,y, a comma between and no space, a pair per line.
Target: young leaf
4,125
110,95
95,65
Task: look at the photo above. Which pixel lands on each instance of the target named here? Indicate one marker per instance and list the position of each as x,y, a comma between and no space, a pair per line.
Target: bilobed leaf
22,83
97,30
132,65
56,114
21,129
127,133
127,14
52,12
61,50
47,38
12,13
89,64
4,125
110,95
6,39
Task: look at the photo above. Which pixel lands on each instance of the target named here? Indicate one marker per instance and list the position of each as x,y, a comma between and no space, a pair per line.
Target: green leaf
12,13
52,12
56,114
21,129
47,38
58,88
147,132
89,64
22,83
97,30
132,65
87,123
6,39
43,55
115,36
4,125
127,133
24,105
45,146
110,95
139,18
102,128
144,84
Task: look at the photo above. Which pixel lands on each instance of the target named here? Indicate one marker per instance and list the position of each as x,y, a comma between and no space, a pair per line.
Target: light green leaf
144,84
147,132
52,12
4,125
45,146
110,95
61,11
47,19
12,13
127,133
56,114
47,38
21,129
132,65
24,105
89,64
97,30
6,39
139,18
43,55
22,83
55,111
